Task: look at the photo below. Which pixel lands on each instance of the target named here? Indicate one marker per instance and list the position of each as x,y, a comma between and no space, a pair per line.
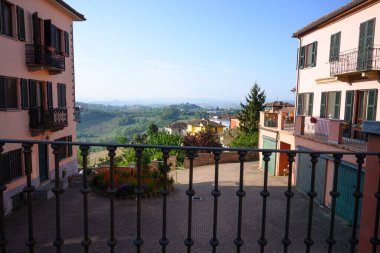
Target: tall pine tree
249,115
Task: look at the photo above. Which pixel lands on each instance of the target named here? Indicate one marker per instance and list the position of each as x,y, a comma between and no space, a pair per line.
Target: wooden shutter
53,36
372,101
302,57
67,43
47,32
299,104
70,147
348,106
310,106
323,105
2,92
21,23
49,91
33,94
337,105
24,94
36,29
335,47
314,54
64,95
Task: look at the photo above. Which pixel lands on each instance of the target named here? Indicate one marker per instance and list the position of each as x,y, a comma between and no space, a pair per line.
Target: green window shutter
310,106
302,57
47,31
36,29
21,23
2,92
323,105
332,48
24,94
54,36
32,94
299,104
371,108
314,54
69,147
348,106
64,95
337,46
67,43
337,105
49,91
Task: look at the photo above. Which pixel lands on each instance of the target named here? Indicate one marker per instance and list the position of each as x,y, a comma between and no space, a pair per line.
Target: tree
152,129
249,115
245,140
202,139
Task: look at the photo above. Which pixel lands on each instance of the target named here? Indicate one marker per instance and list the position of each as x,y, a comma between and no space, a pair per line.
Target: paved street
125,213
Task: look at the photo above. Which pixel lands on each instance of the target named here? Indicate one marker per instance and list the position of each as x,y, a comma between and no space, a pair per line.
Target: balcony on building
40,57
53,119
332,131
277,115
356,64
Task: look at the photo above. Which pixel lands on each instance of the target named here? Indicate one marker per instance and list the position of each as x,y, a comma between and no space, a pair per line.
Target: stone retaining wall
227,157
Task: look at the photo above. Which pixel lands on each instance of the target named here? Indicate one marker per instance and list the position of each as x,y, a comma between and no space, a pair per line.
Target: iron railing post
29,189
240,193
85,190
111,190
375,241
357,195
215,193
334,195
57,190
139,191
164,192
289,195
189,242
265,194
312,194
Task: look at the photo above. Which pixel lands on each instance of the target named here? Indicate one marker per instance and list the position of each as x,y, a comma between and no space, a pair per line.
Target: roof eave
70,10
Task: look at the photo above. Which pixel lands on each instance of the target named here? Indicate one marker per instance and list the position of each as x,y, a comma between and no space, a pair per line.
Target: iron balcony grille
356,60
163,240
39,56
52,119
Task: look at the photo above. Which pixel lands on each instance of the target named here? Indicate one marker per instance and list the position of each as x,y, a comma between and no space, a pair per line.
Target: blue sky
182,49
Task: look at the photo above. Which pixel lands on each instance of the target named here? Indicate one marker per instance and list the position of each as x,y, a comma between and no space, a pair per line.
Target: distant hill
103,123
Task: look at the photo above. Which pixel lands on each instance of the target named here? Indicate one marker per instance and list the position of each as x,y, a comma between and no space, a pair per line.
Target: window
334,47
330,105
308,55
21,23
67,43
61,95
305,104
6,18
8,93
24,94
12,165
365,106
66,150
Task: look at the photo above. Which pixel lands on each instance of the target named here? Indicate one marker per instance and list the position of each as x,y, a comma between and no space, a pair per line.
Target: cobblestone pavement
125,214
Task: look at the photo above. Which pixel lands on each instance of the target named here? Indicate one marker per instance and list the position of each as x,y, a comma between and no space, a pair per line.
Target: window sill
11,37
11,110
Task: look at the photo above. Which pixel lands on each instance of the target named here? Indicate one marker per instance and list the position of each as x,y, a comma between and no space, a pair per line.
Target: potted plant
313,120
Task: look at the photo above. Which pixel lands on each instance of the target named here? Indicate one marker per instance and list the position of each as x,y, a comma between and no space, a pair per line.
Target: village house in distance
37,91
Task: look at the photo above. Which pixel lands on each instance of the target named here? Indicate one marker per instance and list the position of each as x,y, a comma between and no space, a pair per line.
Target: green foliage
202,139
245,140
249,115
152,129
121,139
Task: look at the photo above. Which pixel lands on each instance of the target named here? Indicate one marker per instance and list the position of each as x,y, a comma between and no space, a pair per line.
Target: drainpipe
298,75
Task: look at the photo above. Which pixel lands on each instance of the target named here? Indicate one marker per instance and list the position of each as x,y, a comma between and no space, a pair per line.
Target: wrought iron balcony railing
39,56
50,119
356,60
162,239
270,119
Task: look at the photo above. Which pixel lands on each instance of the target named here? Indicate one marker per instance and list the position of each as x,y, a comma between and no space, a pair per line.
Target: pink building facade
37,89
337,92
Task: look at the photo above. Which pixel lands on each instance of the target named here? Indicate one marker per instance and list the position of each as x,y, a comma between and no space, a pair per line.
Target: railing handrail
193,148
